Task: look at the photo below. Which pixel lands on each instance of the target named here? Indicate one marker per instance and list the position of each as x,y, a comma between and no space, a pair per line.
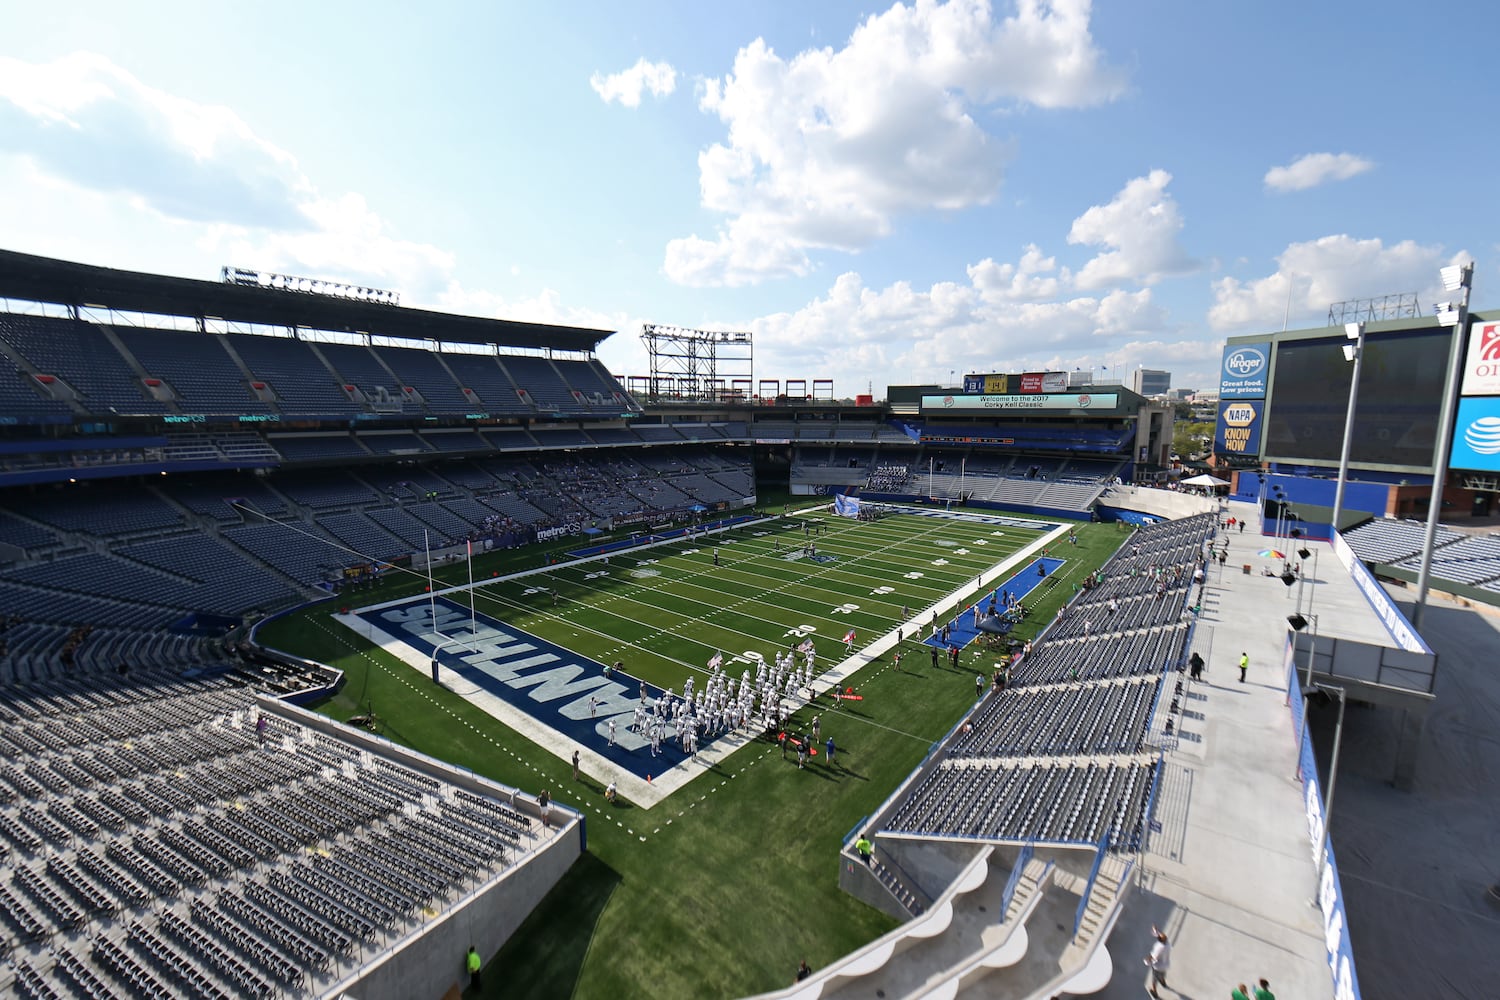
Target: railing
1088,890
1156,779
1022,859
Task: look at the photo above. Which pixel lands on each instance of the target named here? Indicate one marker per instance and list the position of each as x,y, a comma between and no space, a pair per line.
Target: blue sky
880,194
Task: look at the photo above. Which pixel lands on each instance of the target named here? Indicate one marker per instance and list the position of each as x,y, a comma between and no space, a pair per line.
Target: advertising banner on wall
1238,429
1055,382
1031,381
1244,371
1052,401
1482,361
1476,435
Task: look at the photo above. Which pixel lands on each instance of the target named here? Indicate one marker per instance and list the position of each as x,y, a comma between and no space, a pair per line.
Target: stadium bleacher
329,847
301,381
1058,752
481,374
79,354
201,374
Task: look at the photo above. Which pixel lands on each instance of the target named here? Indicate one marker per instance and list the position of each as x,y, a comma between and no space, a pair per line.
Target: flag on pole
716,660
849,636
807,644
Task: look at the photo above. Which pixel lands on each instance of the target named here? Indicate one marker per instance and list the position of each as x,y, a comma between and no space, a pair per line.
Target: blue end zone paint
551,684
962,630
637,540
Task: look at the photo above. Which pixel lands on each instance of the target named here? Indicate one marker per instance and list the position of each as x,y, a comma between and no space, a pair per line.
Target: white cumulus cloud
627,87
903,334
86,121
1316,168
1313,275
1141,227
1033,278
83,123
825,148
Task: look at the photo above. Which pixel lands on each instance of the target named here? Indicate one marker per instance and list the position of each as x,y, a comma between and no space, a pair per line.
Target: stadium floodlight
1456,276
1447,315
1353,353
314,286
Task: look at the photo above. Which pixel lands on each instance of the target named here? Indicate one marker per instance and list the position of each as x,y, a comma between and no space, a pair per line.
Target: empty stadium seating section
1062,753
131,561
110,370
112,805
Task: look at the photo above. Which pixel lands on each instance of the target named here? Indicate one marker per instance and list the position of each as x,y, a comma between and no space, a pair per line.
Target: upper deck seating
300,380
80,355
196,367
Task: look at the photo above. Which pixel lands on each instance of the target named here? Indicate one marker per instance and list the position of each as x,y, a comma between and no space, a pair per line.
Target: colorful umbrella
1271,554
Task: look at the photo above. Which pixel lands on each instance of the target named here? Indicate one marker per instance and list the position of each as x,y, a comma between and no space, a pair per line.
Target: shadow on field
538,965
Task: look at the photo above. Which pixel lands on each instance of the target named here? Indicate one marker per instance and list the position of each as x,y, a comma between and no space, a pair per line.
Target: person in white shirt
1159,960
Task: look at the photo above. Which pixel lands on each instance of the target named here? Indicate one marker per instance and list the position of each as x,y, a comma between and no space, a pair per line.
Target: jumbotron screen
1396,415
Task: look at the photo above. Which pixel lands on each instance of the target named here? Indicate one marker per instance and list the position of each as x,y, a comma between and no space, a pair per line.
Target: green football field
722,888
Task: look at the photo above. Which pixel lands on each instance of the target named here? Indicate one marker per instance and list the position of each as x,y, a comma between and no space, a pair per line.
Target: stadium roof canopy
44,279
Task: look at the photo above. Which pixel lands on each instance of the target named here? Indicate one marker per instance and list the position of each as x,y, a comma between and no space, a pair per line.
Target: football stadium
352,649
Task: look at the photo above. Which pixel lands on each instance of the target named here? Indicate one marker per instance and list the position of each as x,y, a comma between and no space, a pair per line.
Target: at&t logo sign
1483,435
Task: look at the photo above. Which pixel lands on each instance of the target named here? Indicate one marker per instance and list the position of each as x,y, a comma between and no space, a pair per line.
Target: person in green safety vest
864,848
474,964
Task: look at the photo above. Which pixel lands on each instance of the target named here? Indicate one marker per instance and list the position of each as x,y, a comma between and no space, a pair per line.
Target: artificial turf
722,888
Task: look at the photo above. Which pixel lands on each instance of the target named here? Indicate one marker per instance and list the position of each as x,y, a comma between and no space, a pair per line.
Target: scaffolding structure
701,366
1402,305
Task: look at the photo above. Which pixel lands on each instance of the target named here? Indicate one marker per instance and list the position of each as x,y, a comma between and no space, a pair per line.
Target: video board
1396,415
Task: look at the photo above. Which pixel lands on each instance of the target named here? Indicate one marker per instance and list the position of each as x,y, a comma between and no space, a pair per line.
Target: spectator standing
475,965
1244,665
1158,960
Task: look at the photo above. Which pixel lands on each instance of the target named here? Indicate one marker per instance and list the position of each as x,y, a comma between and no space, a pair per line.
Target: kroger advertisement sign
1238,429
1476,435
1244,371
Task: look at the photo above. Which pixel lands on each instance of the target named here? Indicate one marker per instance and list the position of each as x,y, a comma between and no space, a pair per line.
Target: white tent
1204,480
